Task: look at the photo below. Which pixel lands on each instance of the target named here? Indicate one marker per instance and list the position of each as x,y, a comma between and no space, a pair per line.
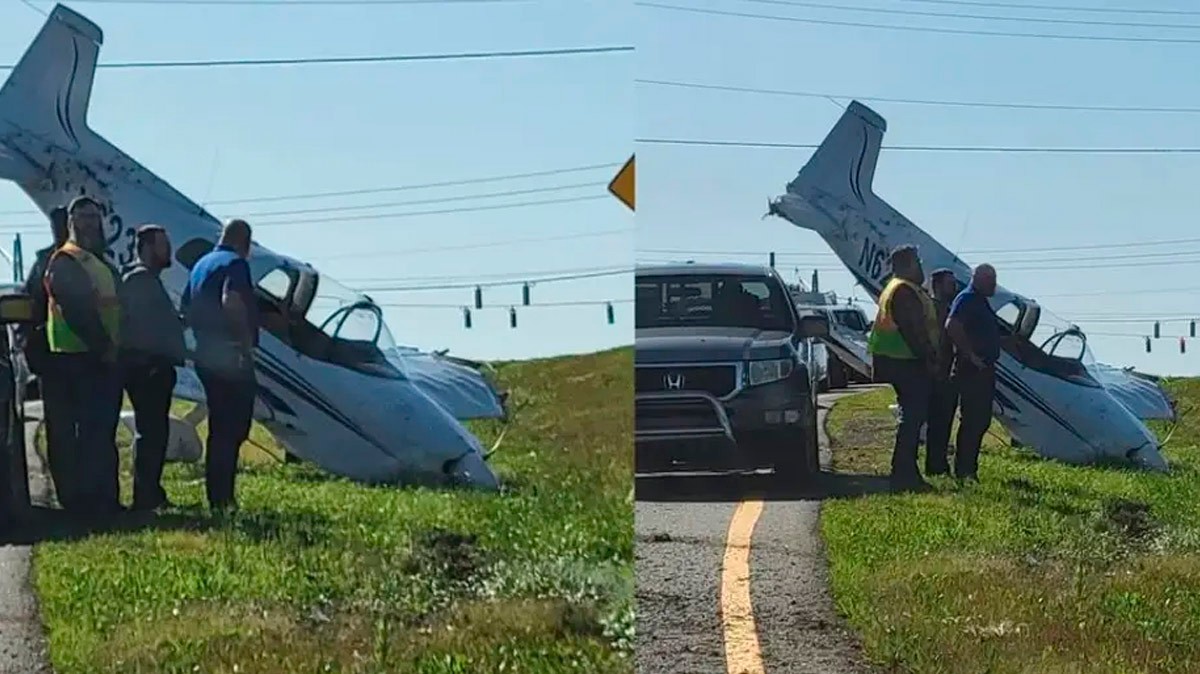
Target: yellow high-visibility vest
59,335
885,338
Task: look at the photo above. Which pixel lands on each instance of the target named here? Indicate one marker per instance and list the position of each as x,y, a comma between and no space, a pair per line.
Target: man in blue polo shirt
976,333
219,305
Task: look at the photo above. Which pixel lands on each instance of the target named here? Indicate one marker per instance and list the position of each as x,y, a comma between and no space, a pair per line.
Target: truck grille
717,380
675,416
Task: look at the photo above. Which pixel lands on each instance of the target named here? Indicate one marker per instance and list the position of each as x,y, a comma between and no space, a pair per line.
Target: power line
440,211
1073,258
533,305
12,229
1032,265
917,101
921,29
1039,249
348,3
343,60
382,190
483,245
517,277
493,284
931,148
984,17
1061,8
432,200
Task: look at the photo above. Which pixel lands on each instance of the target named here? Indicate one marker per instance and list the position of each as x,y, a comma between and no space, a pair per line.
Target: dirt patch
1132,520
448,554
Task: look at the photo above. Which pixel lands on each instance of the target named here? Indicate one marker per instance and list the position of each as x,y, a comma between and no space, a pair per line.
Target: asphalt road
22,641
731,573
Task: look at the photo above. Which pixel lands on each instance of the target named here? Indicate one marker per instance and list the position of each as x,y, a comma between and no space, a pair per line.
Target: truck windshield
724,300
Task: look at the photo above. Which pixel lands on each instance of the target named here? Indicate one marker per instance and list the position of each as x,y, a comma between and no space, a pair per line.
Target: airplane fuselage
1053,406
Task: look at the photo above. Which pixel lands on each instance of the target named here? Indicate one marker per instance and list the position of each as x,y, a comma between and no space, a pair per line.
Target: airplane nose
1150,458
472,470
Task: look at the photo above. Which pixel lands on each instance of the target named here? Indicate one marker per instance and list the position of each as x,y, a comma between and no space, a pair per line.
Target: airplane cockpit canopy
314,314
1048,343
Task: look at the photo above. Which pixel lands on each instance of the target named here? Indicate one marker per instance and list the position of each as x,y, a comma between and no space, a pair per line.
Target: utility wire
983,17
532,305
917,101
432,200
1038,249
342,60
1073,258
334,3
483,245
523,276
381,190
492,284
1014,267
921,29
14,228
933,148
1061,8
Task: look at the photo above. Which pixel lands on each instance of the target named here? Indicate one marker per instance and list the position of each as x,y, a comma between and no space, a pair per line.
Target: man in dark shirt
31,338
151,347
219,304
943,401
83,333
976,333
912,375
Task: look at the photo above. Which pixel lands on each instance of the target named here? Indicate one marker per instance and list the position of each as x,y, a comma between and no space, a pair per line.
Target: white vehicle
1050,393
333,386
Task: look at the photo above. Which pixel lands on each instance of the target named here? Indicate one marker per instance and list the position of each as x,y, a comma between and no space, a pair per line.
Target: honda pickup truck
724,373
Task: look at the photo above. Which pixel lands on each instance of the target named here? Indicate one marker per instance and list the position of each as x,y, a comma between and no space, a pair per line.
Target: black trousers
943,401
976,390
230,398
81,398
913,384
149,387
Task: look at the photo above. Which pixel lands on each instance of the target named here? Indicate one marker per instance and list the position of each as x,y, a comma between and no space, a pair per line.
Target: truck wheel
837,374
795,455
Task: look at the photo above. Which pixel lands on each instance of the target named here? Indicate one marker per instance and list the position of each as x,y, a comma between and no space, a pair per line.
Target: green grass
321,575
1041,568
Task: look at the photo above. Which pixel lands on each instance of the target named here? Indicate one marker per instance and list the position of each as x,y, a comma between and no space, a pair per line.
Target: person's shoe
148,505
911,485
971,478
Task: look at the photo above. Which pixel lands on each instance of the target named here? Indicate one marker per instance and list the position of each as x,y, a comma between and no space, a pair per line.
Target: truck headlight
767,371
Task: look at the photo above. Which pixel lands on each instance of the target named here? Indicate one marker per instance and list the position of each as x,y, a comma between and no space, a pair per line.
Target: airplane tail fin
844,164
48,91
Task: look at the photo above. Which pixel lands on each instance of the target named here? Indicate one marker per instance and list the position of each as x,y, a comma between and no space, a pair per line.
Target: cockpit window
277,283
1071,344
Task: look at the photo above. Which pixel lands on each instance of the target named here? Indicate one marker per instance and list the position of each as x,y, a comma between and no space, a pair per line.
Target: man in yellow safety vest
82,332
904,353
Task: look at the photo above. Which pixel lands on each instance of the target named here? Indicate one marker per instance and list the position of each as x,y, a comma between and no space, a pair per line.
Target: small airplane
1051,395
334,388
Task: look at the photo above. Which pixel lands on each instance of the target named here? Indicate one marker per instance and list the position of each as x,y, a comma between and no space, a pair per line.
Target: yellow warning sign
622,186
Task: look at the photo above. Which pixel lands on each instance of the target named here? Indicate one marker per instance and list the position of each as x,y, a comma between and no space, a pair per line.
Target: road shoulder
23,648
799,627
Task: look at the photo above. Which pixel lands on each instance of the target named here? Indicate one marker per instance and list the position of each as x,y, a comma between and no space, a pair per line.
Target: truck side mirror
16,308
813,326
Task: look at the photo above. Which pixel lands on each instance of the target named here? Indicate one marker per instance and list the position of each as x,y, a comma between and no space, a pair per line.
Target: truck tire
796,454
837,374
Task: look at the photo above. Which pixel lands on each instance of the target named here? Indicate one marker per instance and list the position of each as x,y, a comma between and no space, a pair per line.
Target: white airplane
1051,395
333,386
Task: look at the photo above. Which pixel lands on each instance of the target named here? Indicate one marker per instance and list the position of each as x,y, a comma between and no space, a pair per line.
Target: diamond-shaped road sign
622,185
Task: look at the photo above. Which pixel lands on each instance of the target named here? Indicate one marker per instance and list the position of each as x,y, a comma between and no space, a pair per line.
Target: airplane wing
457,384
1141,394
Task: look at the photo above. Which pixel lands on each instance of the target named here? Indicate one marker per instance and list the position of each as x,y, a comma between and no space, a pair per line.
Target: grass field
1040,568
320,575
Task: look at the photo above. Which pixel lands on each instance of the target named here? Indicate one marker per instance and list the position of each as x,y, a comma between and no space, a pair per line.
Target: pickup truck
724,370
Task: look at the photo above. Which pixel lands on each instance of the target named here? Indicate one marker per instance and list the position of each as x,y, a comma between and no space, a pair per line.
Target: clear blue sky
711,198
237,133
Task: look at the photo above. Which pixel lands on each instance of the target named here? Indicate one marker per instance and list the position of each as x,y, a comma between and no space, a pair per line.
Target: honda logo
673,381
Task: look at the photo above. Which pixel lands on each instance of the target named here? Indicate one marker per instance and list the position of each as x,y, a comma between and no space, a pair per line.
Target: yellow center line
742,652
